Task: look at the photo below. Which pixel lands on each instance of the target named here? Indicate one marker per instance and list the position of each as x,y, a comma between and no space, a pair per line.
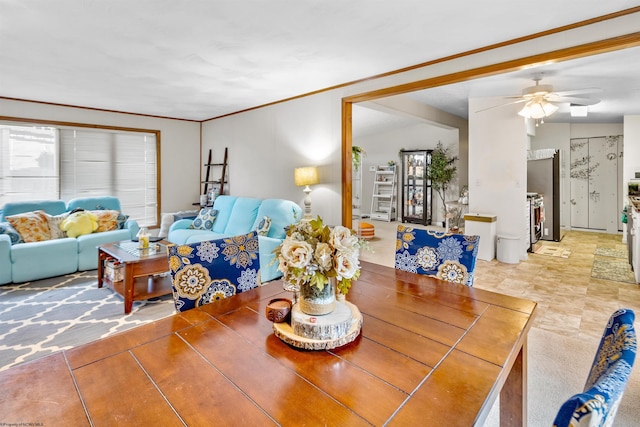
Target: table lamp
306,176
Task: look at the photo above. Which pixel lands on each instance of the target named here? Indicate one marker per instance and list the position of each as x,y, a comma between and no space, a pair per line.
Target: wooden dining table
430,353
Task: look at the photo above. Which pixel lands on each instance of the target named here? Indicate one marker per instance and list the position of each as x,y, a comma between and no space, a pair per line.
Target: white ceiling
199,59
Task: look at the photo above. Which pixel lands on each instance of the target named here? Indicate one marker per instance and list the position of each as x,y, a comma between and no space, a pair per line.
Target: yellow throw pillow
32,226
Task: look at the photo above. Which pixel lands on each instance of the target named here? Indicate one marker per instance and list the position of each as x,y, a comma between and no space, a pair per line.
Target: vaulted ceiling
201,59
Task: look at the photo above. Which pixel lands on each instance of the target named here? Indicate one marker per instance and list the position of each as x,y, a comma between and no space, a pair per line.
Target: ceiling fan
540,100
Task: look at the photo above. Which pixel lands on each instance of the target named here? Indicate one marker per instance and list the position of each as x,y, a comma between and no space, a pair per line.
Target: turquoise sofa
22,262
240,215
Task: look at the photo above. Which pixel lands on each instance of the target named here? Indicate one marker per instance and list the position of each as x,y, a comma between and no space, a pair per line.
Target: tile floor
571,302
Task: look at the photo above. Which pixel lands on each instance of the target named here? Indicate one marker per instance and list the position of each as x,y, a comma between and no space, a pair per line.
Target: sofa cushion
54,225
243,216
224,206
7,228
95,203
205,219
53,207
32,226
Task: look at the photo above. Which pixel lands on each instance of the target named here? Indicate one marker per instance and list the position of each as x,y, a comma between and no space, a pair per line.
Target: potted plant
441,171
356,156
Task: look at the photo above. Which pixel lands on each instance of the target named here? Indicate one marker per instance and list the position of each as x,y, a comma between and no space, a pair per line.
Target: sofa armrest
268,263
133,227
5,259
181,224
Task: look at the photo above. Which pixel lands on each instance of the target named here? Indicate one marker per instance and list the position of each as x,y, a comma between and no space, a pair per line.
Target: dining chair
598,403
447,256
211,270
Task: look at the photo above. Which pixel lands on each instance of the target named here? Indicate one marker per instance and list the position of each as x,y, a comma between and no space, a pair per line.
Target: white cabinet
383,201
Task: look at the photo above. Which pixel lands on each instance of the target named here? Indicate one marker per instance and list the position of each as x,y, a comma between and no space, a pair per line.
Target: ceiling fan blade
502,105
578,91
573,100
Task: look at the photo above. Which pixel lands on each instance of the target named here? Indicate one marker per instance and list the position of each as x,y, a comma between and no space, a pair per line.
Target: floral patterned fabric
598,404
447,256
214,269
107,220
32,226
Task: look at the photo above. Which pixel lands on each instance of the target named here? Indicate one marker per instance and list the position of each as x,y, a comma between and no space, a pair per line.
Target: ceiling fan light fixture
537,109
578,110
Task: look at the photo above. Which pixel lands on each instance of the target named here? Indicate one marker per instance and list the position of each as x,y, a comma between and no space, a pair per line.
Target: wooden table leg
513,397
128,288
101,258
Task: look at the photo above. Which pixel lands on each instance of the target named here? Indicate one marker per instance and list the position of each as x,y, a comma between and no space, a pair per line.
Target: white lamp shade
307,175
537,109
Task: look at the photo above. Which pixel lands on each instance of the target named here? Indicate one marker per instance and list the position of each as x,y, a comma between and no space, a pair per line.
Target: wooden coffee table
143,270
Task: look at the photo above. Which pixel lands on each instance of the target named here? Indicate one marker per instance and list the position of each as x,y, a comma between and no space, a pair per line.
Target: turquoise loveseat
22,262
240,215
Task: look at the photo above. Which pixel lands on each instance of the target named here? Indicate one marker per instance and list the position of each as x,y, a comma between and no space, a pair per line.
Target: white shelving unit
383,201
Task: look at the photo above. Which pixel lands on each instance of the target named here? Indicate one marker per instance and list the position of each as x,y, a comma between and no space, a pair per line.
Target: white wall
179,144
498,167
631,129
265,145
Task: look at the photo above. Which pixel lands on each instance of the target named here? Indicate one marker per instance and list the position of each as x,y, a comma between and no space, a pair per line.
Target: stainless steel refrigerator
543,177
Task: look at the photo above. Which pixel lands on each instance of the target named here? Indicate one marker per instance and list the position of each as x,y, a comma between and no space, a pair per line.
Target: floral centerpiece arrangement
313,254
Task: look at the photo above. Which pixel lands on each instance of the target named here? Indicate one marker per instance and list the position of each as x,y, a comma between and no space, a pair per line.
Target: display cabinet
416,188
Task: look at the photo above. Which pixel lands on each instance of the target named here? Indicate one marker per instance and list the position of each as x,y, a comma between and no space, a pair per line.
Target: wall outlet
546,231
372,168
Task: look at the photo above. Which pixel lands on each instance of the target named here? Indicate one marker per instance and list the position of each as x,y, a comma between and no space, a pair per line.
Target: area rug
41,317
610,268
556,251
613,253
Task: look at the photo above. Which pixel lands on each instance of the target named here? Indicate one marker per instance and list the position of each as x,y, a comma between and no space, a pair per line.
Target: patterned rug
552,251
612,264
41,317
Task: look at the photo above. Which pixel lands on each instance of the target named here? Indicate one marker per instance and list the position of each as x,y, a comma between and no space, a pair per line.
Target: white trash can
508,249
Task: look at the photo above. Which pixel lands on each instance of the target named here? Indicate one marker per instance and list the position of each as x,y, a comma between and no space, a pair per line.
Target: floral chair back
598,404
207,271
447,256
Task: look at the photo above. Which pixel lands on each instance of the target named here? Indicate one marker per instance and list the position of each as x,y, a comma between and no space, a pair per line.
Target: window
64,162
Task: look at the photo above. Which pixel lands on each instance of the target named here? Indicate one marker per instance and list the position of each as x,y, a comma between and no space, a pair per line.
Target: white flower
296,253
342,239
323,256
346,264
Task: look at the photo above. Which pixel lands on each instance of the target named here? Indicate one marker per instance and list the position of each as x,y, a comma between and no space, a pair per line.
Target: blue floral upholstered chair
598,404
211,270
447,256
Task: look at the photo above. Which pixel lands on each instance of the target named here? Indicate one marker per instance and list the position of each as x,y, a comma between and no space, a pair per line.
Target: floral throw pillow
121,219
54,225
32,226
205,219
107,220
6,228
263,226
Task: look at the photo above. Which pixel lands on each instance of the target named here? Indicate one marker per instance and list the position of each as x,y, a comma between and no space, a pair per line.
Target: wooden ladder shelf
222,181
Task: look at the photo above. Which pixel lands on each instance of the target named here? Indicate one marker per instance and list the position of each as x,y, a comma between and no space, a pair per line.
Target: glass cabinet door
416,189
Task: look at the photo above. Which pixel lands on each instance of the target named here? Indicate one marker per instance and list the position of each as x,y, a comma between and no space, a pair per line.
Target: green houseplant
441,171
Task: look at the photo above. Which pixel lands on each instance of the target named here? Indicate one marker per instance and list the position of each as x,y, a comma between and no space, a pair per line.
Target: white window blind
84,162
28,163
